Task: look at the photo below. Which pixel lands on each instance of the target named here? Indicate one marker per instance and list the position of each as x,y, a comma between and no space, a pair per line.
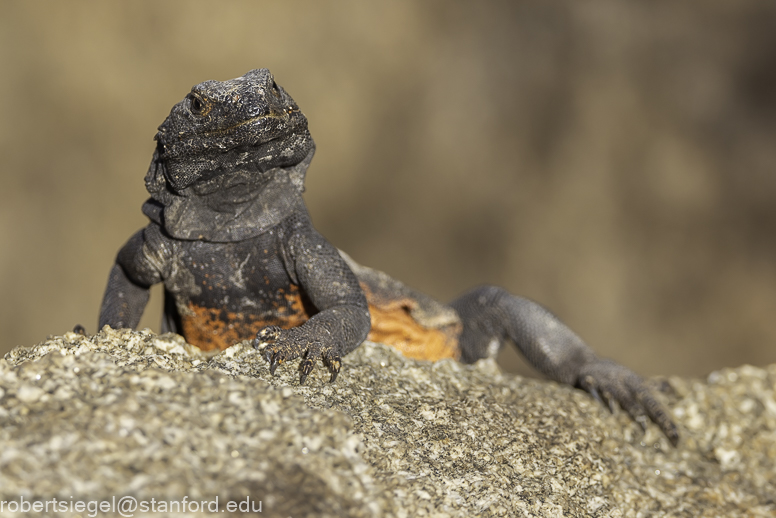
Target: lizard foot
280,346
611,383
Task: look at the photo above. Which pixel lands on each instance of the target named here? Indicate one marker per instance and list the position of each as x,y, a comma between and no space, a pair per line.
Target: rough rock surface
126,413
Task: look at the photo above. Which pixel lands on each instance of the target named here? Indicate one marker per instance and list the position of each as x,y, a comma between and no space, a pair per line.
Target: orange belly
210,328
392,324
395,327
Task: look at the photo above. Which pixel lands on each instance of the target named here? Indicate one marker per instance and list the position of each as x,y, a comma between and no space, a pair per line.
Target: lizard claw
587,383
279,346
79,330
335,364
273,354
610,401
276,360
621,385
306,367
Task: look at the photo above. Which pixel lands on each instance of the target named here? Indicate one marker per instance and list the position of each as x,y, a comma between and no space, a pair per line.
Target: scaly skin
232,242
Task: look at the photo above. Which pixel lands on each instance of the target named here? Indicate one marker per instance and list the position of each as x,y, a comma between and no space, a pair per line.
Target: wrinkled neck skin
239,194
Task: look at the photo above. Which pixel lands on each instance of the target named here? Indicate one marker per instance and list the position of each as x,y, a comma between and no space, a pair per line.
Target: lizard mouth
252,131
198,160
285,114
219,132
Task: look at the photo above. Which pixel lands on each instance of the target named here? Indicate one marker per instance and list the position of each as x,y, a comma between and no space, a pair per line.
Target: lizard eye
196,105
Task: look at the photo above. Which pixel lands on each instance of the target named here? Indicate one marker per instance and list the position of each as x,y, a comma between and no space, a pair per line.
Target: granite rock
134,414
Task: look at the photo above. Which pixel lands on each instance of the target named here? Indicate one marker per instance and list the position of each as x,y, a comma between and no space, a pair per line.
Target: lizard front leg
342,321
128,287
123,302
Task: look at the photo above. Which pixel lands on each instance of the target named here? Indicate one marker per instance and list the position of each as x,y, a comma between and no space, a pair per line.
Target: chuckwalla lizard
231,239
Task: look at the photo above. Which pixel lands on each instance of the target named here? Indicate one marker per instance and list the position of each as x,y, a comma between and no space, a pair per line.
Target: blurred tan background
615,161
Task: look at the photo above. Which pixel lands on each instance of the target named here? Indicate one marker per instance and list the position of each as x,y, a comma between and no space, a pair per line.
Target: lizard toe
656,413
266,336
305,368
334,363
307,365
614,384
276,360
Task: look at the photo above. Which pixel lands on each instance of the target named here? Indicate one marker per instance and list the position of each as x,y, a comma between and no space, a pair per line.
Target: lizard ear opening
155,177
275,90
298,172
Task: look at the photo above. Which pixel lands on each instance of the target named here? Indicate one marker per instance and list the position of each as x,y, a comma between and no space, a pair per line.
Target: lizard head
248,125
